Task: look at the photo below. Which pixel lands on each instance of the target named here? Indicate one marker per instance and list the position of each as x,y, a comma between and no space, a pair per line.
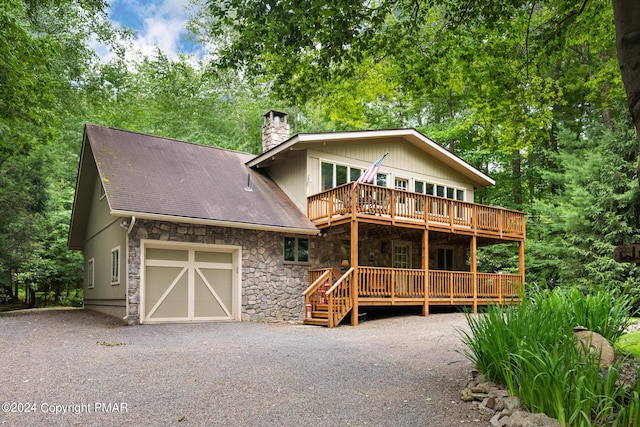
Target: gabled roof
308,140
159,178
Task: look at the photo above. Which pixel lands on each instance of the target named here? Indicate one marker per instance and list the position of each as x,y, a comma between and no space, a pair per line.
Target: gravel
405,370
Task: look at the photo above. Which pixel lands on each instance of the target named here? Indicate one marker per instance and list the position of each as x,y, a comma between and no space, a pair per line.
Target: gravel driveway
394,371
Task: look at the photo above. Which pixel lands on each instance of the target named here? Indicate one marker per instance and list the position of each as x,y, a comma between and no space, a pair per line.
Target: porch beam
521,263
474,270
425,268
354,265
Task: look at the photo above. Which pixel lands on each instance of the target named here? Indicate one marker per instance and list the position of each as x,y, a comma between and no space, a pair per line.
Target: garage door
190,283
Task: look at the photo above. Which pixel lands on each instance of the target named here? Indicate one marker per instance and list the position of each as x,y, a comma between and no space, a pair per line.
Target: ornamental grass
531,349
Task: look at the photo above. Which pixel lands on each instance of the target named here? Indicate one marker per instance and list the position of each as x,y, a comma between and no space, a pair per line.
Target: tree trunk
516,176
626,15
32,296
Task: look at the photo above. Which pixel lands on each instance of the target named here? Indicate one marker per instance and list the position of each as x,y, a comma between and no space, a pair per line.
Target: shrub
531,349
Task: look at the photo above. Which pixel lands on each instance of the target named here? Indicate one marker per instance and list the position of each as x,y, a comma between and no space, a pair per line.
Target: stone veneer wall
271,289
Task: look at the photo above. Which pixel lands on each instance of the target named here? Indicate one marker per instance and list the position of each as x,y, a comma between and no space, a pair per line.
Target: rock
596,344
527,419
489,402
466,395
495,420
494,401
511,403
479,396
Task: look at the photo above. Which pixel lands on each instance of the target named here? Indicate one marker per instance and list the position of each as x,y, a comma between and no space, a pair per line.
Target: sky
158,23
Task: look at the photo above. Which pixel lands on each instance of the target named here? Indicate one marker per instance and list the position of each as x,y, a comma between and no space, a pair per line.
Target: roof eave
479,177
214,222
75,242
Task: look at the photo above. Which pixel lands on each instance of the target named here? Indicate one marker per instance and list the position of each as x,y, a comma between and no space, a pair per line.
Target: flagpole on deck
370,174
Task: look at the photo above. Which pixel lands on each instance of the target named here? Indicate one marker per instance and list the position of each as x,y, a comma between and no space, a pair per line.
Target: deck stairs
327,299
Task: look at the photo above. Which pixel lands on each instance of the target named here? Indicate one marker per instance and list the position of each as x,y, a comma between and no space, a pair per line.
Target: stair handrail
335,318
319,281
313,290
340,280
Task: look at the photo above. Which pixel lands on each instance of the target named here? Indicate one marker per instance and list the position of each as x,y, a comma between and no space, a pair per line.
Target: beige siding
104,233
291,176
404,161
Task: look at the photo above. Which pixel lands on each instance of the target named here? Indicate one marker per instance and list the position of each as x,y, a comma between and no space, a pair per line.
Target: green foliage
629,344
528,92
595,208
531,349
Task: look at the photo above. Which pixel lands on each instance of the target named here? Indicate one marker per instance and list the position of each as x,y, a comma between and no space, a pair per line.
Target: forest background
530,92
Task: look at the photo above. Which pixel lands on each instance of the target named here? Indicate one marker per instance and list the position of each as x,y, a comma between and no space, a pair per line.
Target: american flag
370,174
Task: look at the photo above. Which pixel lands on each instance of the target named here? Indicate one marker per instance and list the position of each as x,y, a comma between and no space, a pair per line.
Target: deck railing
317,281
402,286
340,299
400,206
393,283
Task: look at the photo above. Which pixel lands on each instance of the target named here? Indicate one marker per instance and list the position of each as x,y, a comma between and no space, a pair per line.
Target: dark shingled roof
144,174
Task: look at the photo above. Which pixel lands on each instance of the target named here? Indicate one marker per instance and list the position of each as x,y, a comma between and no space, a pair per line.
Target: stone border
505,410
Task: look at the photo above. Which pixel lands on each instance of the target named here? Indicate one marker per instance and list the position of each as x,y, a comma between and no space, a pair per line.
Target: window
334,175
89,272
115,266
381,180
327,176
341,175
402,184
296,249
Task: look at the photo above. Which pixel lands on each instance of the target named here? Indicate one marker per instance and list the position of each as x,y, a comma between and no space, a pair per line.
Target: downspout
131,224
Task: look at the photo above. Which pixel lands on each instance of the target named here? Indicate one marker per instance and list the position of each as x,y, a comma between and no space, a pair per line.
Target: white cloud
159,24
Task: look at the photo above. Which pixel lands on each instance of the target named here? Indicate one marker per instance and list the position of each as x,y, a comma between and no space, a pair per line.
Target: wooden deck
327,301
370,203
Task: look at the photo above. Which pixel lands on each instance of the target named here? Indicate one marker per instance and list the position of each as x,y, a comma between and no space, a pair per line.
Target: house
179,232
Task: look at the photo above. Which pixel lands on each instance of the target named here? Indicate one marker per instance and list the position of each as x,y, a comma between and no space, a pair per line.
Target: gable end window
115,266
296,249
90,270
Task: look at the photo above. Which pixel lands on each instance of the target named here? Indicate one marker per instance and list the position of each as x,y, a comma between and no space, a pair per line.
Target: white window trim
435,185
334,164
91,269
115,278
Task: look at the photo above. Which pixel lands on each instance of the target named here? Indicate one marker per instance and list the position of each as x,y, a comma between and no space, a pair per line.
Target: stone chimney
275,129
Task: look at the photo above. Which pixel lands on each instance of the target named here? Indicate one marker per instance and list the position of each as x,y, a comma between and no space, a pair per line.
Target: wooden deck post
354,264
425,269
521,264
474,270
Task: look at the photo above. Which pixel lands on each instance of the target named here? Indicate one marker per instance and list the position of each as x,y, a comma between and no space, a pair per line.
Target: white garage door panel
189,284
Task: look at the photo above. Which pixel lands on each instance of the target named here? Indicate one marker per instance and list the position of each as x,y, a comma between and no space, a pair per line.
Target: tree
43,59
302,47
627,19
